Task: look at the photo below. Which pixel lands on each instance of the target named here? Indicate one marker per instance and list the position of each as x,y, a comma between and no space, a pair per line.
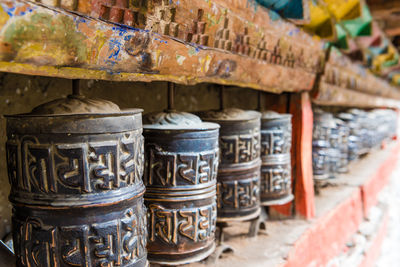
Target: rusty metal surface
76,189
276,141
238,188
181,167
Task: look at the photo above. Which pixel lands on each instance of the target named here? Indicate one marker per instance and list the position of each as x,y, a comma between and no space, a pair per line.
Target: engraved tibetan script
275,179
118,242
276,141
169,225
240,148
238,194
176,169
75,168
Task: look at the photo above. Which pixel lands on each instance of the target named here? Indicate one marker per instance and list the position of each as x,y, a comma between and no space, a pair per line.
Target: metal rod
75,87
171,96
259,101
221,97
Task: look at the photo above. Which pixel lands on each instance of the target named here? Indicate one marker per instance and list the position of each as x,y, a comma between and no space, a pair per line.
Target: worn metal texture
323,125
76,185
354,142
238,182
334,150
276,141
343,133
218,42
21,93
181,166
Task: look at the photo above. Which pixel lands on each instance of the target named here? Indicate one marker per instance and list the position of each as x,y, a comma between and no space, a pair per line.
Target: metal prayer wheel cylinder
182,156
321,153
343,132
320,159
361,120
353,139
238,181
334,150
276,141
75,166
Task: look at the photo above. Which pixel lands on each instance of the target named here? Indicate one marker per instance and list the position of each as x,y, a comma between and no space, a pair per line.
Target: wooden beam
345,83
377,6
331,95
387,14
253,51
392,32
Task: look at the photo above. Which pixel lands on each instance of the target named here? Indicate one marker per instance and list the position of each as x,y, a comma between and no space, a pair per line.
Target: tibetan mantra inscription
181,168
76,188
238,187
74,168
276,141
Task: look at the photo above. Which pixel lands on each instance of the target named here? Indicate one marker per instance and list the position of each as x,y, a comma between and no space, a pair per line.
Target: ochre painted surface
328,235
333,229
226,42
300,108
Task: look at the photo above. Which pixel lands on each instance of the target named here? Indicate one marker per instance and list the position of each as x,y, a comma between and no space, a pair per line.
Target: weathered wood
343,80
331,95
300,108
244,47
387,14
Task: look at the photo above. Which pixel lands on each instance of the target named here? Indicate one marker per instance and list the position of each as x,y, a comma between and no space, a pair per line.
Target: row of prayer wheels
92,186
343,137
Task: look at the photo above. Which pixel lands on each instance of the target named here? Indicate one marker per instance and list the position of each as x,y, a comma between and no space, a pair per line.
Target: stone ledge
341,209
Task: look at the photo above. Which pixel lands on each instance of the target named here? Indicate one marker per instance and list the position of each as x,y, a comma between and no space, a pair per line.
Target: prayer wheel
276,141
323,124
182,156
334,149
343,132
354,143
238,181
75,166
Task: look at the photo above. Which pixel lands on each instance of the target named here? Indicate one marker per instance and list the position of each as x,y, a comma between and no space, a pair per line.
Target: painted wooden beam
349,84
387,14
331,95
226,42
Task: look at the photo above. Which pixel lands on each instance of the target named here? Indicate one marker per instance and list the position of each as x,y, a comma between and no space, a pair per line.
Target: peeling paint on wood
252,50
331,95
347,84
